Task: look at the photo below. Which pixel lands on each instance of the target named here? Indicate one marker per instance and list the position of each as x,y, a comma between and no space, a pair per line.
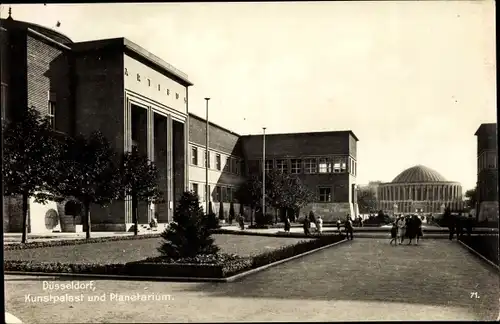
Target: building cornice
54,42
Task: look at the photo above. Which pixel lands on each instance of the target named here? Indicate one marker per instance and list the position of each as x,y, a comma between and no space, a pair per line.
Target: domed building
419,189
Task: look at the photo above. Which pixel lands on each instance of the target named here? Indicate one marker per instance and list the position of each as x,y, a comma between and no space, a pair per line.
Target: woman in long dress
401,229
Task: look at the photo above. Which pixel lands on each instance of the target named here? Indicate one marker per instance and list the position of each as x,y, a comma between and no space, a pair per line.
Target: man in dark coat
451,226
307,225
348,227
459,226
470,222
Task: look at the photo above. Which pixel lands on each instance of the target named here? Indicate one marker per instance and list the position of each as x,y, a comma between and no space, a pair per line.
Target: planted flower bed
486,245
202,266
34,245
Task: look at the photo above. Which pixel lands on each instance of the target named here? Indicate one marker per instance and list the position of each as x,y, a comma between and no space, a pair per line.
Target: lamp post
264,172
207,189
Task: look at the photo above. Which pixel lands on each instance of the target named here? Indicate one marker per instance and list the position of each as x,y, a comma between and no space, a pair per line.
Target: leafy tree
231,212
30,160
367,200
189,234
250,194
471,198
298,195
139,181
221,211
91,173
277,193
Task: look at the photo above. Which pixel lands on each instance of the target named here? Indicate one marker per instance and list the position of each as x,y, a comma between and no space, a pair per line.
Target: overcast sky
412,80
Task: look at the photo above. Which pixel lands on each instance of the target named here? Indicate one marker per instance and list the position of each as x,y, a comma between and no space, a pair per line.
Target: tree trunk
135,217
25,218
86,213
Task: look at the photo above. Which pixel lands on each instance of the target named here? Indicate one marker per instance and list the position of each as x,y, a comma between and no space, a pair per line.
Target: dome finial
10,12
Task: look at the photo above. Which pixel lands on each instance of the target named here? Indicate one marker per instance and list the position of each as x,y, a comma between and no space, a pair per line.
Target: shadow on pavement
439,273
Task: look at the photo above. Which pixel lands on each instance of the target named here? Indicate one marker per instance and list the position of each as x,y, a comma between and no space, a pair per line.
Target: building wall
99,107
49,78
487,167
142,79
17,57
228,177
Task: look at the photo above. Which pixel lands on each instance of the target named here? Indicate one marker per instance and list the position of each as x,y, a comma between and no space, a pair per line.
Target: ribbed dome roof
419,173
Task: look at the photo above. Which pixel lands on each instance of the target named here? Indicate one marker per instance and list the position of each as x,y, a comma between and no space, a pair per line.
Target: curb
264,267
482,257
178,279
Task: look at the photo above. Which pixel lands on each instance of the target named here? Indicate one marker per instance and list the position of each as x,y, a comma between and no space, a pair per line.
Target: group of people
318,222
406,227
457,223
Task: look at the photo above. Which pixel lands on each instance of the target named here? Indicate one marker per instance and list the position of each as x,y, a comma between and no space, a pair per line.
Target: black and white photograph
305,161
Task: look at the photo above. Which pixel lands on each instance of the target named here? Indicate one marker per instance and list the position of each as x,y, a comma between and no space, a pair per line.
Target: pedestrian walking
306,226
287,225
319,225
470,222
348,227
401,230
394,232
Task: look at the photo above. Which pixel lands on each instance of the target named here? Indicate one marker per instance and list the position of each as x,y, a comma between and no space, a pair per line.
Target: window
224,194
268,165
310,166
218,194
282,165
52,114
343,164
207,159
227,166
194,155
296,166
233,165
336,165
491,160
217,161
325,194
194,188
230,194
325,165
237,166
355,167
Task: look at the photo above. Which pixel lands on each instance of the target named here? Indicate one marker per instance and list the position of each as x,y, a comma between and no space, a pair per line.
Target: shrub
261,220
190,233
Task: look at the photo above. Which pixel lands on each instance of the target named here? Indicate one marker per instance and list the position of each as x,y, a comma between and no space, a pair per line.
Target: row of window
487,160
231,164
227,194
221,193
340,164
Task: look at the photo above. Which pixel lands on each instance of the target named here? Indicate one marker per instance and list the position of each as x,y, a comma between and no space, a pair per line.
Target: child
394,231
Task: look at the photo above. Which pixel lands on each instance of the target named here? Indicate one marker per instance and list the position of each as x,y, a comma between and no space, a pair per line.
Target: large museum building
135,98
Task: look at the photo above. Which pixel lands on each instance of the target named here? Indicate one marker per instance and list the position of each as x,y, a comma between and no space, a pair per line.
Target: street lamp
207,189
264,172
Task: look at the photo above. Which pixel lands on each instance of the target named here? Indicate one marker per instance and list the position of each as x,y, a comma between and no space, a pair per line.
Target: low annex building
136,98
420,189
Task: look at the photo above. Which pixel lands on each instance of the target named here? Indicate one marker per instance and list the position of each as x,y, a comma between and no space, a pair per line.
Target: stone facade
487,172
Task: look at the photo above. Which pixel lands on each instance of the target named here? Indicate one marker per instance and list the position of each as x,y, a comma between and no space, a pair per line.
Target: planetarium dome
419,189
419,173
10,23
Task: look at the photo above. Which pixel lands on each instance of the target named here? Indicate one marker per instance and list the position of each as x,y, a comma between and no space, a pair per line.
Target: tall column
151,154
170,161
127,136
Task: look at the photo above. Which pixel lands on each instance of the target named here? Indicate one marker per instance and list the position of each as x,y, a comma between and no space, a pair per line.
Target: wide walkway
364,279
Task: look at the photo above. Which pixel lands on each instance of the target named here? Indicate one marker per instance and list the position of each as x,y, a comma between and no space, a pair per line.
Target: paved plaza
364,279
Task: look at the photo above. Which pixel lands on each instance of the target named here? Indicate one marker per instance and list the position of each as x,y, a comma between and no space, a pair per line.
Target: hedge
277,234
203,266
34,245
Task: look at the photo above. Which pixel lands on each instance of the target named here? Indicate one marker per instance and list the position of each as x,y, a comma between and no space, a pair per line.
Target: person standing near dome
400,223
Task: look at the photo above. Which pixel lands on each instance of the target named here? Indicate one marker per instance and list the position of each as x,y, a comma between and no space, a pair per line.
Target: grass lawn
134,250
